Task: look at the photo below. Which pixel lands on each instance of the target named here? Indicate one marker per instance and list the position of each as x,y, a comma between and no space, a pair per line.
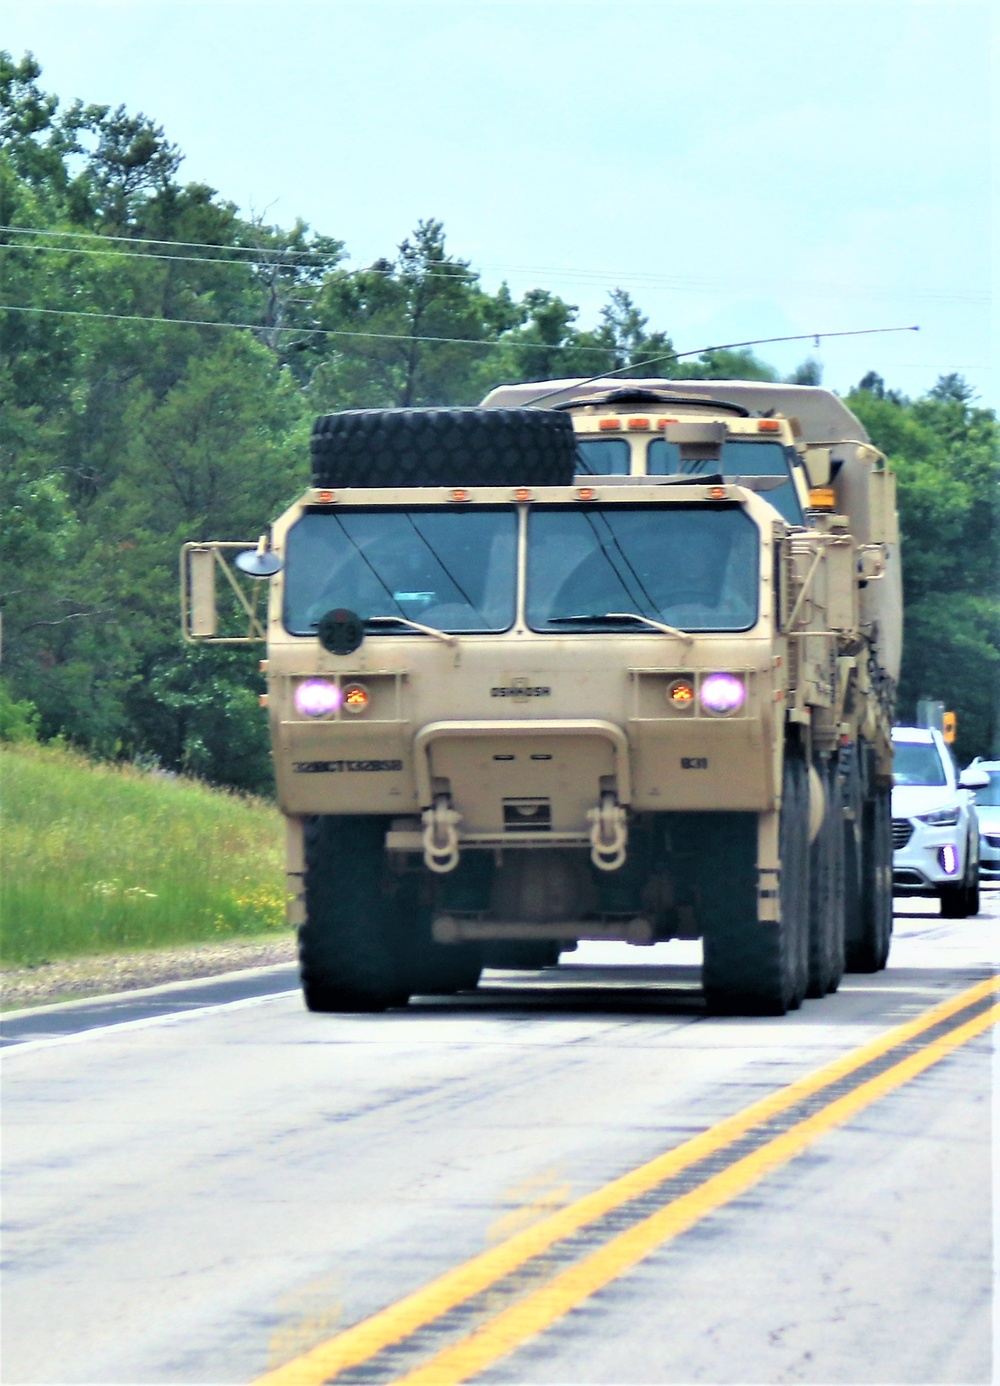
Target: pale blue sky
743,169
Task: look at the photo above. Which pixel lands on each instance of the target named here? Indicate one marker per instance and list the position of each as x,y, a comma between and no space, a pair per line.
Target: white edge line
146,1022
157,989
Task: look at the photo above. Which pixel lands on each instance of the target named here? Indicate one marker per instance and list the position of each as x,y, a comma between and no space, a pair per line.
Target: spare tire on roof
443,447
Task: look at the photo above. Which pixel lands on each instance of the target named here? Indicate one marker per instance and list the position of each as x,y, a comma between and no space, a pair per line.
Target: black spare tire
443,447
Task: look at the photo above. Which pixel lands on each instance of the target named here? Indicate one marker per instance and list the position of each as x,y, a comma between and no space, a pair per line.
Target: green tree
946,453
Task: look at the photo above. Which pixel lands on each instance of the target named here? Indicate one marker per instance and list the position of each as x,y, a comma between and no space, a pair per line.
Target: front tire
868,950
754,967
826,891
349,945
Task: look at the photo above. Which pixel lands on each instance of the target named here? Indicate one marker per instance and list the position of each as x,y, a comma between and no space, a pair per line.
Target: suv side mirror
973,778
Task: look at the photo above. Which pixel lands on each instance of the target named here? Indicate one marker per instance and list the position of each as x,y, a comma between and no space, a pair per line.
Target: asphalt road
203,1182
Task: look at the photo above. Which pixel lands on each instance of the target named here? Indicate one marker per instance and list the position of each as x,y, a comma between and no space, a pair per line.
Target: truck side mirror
259,562
203,619
819,467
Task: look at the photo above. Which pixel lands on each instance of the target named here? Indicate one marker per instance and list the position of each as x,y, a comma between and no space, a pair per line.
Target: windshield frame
303,630
554,625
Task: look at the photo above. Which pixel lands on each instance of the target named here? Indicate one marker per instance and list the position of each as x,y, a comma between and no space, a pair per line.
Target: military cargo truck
596,660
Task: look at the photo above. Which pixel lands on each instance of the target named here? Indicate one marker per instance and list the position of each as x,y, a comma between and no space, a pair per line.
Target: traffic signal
949,725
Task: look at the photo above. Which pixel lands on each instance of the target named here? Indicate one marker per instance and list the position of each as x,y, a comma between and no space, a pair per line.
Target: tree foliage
946,453
161,360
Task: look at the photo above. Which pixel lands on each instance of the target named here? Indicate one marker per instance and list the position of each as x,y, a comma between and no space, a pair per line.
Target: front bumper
927,858
989,856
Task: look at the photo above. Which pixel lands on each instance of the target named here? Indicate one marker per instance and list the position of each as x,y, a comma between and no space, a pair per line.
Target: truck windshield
603,456
692,566
740,457
451,569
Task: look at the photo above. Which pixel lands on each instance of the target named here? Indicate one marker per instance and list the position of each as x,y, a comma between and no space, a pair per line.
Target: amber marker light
460,494
356,697
586,493
638,423
523,493
768,426
325,497
680,694
609,425
662,423
822,498
716,493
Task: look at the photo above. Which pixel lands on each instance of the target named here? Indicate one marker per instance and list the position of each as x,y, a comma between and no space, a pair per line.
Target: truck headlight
941,818
722,693
317,698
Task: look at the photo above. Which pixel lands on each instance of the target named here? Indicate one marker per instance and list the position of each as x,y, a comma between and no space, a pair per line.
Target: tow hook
441,836
608,834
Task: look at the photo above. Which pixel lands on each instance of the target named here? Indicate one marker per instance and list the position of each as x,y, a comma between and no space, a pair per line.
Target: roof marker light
716,493
662,423
638,423
459,494
768,426
325,497
523,493
609,425
586,493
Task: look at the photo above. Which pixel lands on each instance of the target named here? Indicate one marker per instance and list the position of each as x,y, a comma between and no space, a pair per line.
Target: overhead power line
272,255
815,337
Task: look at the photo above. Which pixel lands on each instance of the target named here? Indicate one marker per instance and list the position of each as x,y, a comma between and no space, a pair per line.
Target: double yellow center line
467,1319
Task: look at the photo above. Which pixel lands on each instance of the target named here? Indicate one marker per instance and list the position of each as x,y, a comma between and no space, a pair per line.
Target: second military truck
595,660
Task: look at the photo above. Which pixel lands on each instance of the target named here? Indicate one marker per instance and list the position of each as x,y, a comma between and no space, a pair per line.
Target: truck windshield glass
603,456
451,569
739,458
692,566
916,762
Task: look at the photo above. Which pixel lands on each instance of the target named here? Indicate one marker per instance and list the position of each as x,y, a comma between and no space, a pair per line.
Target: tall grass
99,858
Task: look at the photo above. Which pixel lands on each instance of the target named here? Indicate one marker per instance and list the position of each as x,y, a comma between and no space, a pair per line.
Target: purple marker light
722,693
949,859
317,698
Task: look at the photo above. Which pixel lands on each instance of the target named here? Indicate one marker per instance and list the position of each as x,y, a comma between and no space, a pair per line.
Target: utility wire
274,256
815,337
302,331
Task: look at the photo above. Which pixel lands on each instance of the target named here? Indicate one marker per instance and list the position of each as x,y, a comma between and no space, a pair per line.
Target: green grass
102,859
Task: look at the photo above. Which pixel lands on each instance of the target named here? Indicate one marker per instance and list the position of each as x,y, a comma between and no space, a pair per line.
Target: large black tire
443,447
961,901
433,969
749,967
826,890
954,902
350,946
868,942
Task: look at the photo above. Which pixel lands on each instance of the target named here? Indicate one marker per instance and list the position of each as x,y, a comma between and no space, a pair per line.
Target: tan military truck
596,660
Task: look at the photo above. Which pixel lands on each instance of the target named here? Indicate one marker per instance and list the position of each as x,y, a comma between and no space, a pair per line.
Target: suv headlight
940,818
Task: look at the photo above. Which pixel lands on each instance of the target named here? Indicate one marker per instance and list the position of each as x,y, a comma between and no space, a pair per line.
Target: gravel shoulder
105,974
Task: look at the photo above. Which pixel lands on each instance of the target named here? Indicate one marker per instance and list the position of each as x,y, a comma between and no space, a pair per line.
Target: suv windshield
690,566
451,569
740,457
917,762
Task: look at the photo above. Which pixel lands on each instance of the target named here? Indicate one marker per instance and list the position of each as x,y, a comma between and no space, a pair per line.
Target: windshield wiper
412,625
624,616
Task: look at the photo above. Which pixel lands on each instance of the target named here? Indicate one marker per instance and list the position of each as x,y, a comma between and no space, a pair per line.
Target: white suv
935,831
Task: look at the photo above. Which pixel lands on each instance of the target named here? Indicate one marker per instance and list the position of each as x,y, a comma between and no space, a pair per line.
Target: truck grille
902,831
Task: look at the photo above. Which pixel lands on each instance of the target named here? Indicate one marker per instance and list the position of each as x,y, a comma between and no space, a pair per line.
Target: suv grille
902,831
